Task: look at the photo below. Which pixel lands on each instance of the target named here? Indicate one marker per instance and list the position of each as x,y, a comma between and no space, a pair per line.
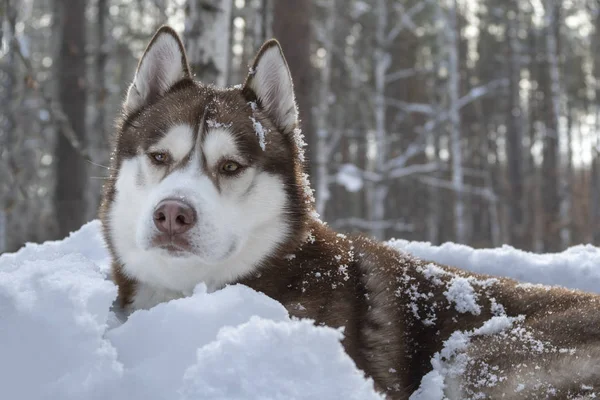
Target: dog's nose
174,217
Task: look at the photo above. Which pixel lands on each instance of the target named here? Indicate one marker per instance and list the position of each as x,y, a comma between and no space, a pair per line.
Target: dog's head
204,180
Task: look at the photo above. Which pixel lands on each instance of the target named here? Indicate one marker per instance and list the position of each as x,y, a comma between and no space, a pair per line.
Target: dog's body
207,185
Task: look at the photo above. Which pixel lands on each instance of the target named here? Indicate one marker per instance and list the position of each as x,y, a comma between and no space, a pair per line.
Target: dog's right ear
163,64
270,81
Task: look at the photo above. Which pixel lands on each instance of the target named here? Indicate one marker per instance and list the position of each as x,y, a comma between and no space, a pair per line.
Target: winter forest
471,121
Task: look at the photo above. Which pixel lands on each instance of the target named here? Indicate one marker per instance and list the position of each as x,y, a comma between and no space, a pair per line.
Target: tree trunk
292,27
323,122
100,66
7,120
460,232
595,165
381,63
97,135
551,176
514,134
207,39
71,176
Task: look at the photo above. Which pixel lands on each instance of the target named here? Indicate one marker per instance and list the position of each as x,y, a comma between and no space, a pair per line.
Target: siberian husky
208,185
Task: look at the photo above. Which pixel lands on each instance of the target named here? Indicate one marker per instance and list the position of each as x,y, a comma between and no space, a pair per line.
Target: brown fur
383,334
396,316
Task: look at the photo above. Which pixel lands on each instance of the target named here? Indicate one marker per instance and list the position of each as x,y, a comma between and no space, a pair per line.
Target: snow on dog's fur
207,185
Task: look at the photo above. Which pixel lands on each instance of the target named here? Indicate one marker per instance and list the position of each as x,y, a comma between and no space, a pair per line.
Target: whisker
97,165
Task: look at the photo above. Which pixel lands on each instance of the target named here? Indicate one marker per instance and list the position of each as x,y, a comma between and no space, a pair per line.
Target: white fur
236,229
272,83
218,144
161,67
179,141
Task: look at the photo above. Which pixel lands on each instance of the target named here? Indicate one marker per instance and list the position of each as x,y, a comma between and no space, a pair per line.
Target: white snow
258,128
215,124
59,338
350,178
575,268
308,193
300,143
461,293
260,132
451,361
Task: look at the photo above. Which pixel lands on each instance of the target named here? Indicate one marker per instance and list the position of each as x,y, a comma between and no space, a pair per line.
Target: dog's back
404,318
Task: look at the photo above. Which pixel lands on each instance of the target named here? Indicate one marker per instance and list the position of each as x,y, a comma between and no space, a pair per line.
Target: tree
71,175
207,39
292,27
551,176
514,134
453,36
7,121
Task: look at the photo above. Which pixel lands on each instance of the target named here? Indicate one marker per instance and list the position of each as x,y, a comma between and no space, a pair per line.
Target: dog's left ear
270,81
163,64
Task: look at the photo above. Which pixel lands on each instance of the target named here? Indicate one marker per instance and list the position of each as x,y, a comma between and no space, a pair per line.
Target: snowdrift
575,268
59,338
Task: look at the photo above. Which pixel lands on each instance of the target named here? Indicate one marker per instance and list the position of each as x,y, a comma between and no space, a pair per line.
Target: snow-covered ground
59,339
576,268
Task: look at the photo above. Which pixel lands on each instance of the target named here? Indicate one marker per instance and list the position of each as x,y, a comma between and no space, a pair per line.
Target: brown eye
230,167
159,157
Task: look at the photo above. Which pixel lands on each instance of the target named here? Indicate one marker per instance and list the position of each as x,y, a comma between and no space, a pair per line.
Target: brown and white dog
207,185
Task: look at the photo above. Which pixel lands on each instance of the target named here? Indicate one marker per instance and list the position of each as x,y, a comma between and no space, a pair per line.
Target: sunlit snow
60,339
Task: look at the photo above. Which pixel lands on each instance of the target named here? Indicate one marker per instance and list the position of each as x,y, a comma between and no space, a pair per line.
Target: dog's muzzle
173,218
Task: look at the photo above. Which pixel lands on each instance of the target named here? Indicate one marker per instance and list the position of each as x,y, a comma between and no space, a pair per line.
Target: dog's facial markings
140,180
184,149
218,171
218,145
173,147
251,187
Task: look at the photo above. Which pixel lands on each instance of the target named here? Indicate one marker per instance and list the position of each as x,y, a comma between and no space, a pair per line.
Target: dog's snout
174,217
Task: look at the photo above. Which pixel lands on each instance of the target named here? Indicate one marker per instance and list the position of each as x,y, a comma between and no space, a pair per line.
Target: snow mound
54,305
574,268
59,339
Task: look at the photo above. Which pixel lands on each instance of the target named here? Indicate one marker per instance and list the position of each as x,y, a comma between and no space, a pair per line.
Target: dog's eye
159,157
230,167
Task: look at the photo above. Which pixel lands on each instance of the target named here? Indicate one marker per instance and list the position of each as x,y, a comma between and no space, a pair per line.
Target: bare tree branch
486,193
420,108
413,170
54,108
405,20
366,225
396,173
413,149
405,73
481,91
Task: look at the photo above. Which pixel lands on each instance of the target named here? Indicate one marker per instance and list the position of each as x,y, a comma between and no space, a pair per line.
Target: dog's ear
163,64
269,80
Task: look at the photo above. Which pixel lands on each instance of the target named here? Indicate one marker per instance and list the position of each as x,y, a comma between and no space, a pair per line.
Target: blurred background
472,121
